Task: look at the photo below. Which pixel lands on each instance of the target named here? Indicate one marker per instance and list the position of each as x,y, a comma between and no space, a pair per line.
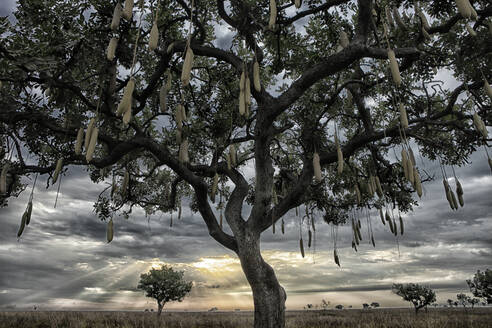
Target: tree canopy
324,104
164,285
420,296
481,285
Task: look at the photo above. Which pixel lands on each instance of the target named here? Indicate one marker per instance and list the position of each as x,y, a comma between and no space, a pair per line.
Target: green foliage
481,285
164,284
420,296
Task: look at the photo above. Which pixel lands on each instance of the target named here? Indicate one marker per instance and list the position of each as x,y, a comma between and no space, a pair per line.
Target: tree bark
160,306
269,297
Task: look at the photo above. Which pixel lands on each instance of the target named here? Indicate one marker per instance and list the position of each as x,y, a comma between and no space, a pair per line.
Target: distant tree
309,306
324,304
450,302
463,299
339,307
435,305
481,285
455,303
419,295
474,301
165,285
375,304
365,306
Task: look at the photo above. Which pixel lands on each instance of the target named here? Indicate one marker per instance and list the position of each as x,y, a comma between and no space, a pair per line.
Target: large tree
301,92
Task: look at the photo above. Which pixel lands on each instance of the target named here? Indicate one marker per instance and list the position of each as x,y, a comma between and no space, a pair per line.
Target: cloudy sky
63,262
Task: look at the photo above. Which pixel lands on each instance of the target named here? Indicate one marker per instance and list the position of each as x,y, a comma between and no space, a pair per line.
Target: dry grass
435,318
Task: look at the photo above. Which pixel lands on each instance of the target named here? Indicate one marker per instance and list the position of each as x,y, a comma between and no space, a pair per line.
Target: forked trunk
160,306
269,297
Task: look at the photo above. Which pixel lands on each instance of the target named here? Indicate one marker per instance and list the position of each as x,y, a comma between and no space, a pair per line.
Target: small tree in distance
463,299
165,285
420,296
375,304
481,285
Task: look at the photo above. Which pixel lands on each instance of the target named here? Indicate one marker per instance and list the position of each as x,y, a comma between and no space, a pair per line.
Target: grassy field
435,318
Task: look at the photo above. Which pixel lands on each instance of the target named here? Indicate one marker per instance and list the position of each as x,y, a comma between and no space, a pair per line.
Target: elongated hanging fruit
232,154
247,92
126,181
126,101
297,3
453,199
357,194
58,168
88,132
395,71
410,172
418,182
449,197
154,37
464,8
221,219
335,256
370,189
344,41
282,226
399,21
242,103
273,16
78,142
301,246
180,210
115,22
339,156
404,159
479,125
110,53
470,30
459,192
381,215
22,225
403,117
488,88
411,156
379,189
372,241
228,160
317,167
310,238
128,10
187,66
127,116
274,195
402,229
256,76
92,145
109,231
215,184
3,179
29,212
183,152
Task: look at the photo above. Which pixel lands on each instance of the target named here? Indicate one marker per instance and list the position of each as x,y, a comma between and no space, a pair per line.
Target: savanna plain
440,317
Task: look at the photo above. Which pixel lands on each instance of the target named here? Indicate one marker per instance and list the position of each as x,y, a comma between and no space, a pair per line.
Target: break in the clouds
62,260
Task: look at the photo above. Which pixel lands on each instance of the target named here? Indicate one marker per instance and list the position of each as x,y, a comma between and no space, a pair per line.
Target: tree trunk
269,297
160,306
